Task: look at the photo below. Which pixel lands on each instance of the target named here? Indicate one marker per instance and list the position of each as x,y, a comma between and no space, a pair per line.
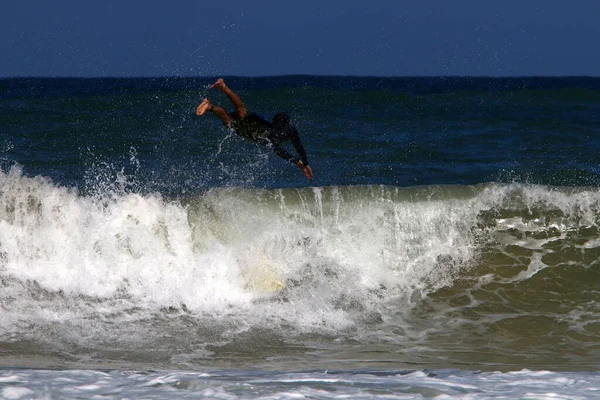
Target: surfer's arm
299,148
301,162
281,152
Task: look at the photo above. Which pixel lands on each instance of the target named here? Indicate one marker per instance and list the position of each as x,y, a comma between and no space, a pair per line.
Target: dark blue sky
278,37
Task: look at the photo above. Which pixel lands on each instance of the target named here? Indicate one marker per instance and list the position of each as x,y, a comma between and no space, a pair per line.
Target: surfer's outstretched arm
300,163
299,147
234,98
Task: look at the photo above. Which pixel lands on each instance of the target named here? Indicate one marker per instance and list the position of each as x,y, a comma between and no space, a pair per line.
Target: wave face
505,273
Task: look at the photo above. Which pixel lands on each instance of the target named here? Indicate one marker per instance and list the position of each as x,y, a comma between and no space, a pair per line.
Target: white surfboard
263,276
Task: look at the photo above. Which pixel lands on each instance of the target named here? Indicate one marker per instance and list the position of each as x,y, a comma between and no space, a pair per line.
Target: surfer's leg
218,111
234,98
222,114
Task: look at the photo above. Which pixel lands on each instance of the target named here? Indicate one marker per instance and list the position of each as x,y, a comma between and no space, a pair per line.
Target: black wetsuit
259,130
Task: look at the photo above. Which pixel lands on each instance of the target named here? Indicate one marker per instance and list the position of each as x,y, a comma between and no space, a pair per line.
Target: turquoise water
452,227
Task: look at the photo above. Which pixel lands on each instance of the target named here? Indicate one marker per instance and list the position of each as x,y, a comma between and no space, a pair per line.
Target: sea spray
372,264
192,251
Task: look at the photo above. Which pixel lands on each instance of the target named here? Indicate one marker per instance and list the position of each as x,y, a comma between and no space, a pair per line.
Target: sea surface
448,246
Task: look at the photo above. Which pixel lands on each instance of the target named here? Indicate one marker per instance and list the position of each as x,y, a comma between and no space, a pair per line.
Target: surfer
257,129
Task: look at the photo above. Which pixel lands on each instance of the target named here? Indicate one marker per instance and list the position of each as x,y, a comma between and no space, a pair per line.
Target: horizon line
297,76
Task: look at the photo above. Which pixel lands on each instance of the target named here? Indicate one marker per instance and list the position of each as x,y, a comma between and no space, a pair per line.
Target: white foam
11,379
161,253
344,255
10,393
442,384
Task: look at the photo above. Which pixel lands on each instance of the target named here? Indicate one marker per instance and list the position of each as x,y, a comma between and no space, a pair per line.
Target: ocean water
448,246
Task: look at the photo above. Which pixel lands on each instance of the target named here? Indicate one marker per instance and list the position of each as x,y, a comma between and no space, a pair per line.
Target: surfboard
263,276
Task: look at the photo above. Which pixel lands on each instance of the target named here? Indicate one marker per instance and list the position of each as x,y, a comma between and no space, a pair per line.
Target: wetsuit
259,130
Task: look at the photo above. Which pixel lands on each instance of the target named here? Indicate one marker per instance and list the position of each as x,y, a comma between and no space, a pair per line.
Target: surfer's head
281,120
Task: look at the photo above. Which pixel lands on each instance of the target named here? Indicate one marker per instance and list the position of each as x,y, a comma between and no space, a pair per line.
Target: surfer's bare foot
219,84
203,107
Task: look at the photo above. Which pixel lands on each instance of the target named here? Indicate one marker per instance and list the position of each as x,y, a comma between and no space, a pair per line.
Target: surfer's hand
308,172
306,169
